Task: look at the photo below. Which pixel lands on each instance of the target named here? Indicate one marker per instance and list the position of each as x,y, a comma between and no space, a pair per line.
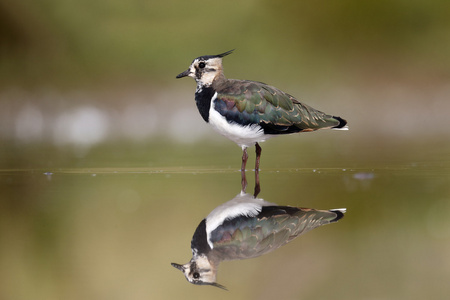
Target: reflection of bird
249,112
247,227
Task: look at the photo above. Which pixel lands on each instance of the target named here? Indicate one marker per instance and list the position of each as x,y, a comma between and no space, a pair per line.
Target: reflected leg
244,163
258,156
257,184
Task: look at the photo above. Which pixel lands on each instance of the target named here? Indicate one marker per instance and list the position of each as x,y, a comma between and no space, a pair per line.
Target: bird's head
200,271
205,69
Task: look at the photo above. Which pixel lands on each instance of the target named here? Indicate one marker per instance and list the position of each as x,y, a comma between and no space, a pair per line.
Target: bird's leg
244,163
257,185
258,156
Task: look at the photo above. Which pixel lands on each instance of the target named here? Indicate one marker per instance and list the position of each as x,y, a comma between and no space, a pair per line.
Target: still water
104,228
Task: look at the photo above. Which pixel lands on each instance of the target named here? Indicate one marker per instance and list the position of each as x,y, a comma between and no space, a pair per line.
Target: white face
199,271
205,71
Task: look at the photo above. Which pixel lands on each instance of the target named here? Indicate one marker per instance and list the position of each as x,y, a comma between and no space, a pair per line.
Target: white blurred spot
187,126
48,175
83,126
29,124
139,121
364,176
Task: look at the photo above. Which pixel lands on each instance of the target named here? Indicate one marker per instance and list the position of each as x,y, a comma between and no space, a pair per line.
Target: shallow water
96,229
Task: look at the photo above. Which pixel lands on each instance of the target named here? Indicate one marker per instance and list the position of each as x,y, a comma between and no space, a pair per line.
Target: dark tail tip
342,122
339,214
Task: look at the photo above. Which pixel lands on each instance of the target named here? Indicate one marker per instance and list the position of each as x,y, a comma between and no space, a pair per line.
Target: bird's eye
201,65
196,275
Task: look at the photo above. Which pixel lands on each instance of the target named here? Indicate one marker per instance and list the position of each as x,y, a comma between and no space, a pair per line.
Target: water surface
107,228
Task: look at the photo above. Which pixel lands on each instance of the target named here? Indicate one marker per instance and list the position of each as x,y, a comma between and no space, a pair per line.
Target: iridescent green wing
246,237
249,102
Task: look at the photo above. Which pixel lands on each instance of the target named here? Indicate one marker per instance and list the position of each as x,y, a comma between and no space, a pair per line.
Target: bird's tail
339,213
342,124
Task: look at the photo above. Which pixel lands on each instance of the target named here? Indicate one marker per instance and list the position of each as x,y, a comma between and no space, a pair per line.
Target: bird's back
250,102
247,237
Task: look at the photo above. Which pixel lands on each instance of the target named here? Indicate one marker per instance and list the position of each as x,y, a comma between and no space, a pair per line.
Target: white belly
244,136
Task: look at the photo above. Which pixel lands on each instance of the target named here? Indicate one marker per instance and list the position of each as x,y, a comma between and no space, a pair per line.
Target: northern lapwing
247,227
249,112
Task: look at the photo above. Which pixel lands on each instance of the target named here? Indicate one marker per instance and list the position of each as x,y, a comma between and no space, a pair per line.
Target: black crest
206,57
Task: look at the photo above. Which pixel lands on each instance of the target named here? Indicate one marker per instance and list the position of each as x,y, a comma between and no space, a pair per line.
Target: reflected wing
249,102
246,237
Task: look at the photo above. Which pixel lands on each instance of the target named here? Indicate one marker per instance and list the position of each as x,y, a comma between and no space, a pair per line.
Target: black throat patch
203,100
199,241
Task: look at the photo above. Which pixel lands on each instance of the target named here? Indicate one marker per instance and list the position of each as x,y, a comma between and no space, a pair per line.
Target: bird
247,227
249,112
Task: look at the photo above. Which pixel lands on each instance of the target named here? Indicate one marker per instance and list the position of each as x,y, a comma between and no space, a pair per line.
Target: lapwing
249,112
247,227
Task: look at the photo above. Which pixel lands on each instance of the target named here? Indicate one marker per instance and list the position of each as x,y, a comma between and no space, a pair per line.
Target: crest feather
225,53
206,57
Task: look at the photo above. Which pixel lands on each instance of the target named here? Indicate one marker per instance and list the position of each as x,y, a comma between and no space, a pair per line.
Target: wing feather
249,102
247,237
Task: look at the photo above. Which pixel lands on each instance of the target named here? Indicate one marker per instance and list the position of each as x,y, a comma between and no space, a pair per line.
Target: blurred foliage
76,42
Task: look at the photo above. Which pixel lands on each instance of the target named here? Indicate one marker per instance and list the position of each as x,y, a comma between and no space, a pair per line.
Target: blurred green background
106,167
84,43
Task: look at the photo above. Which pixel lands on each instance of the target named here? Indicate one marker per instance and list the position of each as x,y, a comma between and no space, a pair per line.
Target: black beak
219,286
179,267
184,74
